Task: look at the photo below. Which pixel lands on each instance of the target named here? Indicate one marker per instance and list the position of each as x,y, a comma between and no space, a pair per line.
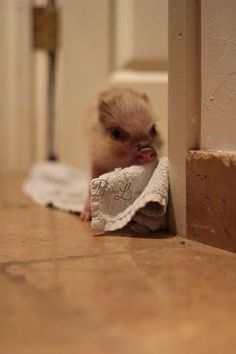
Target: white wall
218,123
202,88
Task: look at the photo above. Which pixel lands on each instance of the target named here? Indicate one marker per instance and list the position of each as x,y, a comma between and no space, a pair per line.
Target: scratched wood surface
64,291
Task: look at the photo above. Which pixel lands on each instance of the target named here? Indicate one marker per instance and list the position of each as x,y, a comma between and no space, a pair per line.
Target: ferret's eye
153,131
116,134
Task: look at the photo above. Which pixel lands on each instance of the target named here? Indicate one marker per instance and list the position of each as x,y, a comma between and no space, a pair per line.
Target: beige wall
83,66
16,125
141,34
104,43
218,123
140,53
103,46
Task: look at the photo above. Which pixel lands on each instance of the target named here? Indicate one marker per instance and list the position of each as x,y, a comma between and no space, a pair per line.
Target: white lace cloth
137,193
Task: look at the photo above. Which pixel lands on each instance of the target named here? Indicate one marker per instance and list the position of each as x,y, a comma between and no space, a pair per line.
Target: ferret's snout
144,154
141,146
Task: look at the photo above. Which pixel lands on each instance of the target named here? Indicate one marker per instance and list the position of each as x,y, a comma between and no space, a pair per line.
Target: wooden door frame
184,101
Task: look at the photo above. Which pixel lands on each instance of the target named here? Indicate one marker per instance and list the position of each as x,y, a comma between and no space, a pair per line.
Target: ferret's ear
101,104
102,110
145,97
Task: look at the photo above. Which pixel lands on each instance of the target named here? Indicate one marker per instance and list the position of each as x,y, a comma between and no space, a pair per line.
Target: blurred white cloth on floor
56,184
137,193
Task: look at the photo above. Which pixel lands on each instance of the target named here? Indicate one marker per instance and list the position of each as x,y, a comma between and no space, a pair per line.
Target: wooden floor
63,290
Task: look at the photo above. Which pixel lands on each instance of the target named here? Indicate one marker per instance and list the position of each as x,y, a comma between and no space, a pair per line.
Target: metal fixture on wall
45,36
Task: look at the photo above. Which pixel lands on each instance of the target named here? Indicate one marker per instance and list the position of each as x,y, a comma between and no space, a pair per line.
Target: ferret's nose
142,146
145,154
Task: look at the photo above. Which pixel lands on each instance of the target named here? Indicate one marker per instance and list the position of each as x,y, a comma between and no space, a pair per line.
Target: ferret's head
126,131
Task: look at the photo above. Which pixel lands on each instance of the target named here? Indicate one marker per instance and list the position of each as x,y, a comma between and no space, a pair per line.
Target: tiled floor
64,291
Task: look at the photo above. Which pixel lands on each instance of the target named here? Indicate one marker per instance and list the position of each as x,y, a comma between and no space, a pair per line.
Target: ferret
122,133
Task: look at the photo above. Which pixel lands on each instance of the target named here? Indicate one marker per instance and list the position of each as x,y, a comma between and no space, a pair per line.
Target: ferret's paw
86,214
